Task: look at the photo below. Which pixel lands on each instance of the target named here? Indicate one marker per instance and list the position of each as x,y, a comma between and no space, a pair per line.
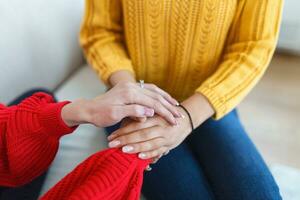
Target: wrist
76,113
121,76
199,108
184,121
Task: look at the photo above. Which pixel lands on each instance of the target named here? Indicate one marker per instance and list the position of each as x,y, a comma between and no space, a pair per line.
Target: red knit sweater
29,140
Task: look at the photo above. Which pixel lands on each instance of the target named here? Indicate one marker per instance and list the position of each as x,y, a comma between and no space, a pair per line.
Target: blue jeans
217,161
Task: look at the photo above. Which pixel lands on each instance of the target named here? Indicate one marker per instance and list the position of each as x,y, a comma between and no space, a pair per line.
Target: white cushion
38,44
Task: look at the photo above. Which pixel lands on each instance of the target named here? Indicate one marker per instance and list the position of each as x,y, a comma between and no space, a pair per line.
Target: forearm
76,113
121,76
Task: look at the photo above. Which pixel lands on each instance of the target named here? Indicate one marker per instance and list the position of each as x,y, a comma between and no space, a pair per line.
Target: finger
155,159
163,101
152,154
126,121
163,93
139,119
149,145
136,137
130,128
166,153
159,108
136,111
148,168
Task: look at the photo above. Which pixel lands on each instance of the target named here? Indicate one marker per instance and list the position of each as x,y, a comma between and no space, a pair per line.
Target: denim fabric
217,161
29,191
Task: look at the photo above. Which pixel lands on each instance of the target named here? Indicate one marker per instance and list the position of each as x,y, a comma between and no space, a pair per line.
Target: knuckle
157,105
112,114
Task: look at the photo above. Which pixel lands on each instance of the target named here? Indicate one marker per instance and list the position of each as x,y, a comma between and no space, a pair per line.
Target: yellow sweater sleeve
249,48
102,38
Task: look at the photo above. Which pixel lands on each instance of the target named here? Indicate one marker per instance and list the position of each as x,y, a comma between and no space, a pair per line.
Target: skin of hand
123,100
155,136
151,138
124,76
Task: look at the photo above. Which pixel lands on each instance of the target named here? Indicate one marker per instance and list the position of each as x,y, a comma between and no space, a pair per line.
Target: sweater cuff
216,100
51,121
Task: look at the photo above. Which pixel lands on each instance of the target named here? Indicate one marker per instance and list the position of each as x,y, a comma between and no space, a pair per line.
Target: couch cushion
38,44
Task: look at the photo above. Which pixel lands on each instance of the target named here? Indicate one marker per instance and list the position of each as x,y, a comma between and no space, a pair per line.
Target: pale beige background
271,113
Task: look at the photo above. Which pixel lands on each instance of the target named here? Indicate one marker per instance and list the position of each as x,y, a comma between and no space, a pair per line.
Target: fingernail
148,168
127,149
142,156
182,116
110,137
149,112
114,143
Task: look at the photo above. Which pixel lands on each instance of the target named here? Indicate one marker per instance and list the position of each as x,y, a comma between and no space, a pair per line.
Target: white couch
39,48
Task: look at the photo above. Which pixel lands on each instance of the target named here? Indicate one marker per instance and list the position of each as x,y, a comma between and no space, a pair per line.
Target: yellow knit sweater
219,48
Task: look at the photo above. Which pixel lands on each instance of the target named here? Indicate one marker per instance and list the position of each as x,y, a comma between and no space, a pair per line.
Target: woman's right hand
123,100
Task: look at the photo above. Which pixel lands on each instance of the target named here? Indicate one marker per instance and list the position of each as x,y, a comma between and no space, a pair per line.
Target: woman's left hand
151,138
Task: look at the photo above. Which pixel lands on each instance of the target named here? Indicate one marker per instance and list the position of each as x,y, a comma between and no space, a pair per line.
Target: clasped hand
152,138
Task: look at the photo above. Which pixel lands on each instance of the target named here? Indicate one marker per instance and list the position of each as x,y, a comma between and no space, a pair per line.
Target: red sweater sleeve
106,175
29,138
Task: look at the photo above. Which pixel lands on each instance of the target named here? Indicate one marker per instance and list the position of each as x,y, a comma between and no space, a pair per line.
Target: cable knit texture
220,48
107,175
29,138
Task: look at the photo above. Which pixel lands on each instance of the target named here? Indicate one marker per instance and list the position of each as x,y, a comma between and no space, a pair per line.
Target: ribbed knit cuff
217,101
51,121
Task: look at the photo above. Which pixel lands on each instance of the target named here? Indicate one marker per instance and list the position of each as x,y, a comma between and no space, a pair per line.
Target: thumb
136,111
